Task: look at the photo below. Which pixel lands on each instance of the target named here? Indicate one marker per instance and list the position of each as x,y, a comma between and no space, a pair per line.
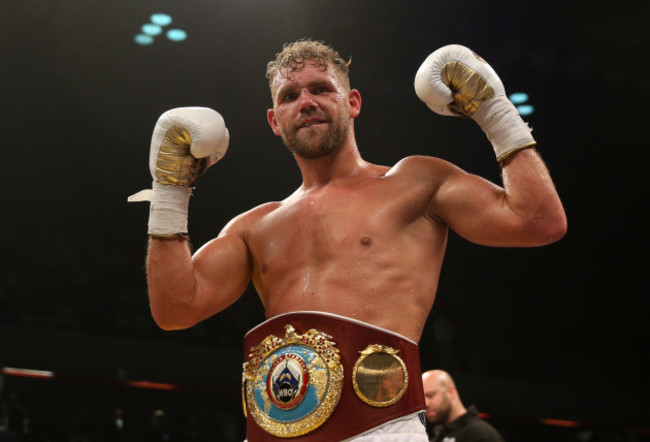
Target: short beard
319,145
442,416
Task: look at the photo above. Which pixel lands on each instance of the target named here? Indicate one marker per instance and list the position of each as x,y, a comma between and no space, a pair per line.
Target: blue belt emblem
292,385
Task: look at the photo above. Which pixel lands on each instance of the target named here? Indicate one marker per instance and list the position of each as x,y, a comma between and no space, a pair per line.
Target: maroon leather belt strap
278,344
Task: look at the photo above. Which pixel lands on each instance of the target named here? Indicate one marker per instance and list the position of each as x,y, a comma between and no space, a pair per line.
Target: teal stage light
143,39
176,34
150,29
525,109
161,19
155,27
519,97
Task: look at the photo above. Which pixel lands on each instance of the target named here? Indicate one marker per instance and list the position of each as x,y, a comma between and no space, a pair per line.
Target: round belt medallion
292,385
379,376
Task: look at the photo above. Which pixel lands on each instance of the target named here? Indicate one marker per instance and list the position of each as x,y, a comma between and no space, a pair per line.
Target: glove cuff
169,210
504,127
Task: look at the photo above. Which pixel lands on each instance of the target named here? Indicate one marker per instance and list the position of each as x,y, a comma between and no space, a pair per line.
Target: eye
320,90
288,97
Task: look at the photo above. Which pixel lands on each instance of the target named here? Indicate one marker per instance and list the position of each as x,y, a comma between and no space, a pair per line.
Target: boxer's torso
360,247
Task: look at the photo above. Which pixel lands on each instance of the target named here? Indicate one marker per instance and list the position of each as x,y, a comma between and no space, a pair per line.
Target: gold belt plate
292,385
379,376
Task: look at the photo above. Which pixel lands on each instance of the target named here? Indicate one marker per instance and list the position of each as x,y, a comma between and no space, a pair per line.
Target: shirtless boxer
354,254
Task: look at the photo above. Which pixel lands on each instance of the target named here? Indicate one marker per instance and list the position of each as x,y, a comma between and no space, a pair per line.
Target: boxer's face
312,110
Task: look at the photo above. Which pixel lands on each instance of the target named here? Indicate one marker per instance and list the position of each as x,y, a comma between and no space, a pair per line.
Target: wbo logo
287,381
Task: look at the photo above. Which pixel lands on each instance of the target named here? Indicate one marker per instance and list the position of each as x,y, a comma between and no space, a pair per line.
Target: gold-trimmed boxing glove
185,142
455,81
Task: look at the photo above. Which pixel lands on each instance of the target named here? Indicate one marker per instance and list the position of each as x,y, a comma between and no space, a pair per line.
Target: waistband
314,376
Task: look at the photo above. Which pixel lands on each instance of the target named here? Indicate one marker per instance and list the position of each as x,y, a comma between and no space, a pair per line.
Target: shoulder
242,223
424,173
422,164
482,430
236,233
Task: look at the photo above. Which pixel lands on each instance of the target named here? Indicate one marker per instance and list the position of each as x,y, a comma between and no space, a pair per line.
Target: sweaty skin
356,239
361,247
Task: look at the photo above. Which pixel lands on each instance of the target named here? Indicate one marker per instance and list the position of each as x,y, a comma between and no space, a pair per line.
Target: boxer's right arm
186,141
186,289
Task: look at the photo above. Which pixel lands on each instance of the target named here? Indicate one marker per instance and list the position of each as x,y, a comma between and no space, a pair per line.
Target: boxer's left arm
526,211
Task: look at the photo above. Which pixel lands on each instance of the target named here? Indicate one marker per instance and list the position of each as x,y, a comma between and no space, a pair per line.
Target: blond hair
294,55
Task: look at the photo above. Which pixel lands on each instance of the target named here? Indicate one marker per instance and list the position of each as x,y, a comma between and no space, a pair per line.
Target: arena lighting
519,99
24,372
155,28
525,109
560,423
176,35
45,374
151,385
548,422
151,29
143,39
161,19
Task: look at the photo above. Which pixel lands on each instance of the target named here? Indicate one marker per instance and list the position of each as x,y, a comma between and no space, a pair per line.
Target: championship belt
314,376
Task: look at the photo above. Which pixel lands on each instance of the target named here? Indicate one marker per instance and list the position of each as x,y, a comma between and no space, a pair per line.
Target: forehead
309,72
432,384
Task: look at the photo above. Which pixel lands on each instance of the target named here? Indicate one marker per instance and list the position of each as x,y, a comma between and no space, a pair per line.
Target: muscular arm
186,289
525,212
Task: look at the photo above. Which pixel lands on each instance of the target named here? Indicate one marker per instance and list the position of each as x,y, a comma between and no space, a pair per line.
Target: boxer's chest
325,227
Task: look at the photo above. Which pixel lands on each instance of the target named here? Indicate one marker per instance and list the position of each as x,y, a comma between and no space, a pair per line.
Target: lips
310,122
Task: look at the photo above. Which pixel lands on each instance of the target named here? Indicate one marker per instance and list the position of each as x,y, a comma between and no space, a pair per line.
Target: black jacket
467,428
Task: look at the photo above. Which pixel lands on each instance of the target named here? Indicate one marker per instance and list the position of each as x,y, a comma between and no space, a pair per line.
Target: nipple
366,241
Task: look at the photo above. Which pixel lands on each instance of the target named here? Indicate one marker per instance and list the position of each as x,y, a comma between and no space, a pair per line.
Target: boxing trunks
320,377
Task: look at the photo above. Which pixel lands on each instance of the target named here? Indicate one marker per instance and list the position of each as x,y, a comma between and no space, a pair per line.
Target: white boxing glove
454,80
185,142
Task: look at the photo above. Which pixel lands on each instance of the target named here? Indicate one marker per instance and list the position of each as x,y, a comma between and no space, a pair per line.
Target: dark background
559,332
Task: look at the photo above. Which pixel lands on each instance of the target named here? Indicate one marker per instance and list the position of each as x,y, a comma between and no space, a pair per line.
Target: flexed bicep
223,269
474,208
525,212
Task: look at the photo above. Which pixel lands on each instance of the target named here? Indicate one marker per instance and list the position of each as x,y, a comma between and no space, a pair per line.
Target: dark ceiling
80,99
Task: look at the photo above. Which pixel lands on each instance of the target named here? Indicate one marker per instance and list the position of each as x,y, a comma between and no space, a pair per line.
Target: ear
270,116
354,99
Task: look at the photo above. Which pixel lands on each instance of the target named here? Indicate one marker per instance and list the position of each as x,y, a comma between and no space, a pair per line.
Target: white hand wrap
169,209
504,127
453,80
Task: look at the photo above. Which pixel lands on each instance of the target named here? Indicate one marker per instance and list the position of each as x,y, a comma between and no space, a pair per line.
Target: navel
366,241
263,267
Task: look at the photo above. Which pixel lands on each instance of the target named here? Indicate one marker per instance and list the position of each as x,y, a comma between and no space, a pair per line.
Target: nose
306,100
